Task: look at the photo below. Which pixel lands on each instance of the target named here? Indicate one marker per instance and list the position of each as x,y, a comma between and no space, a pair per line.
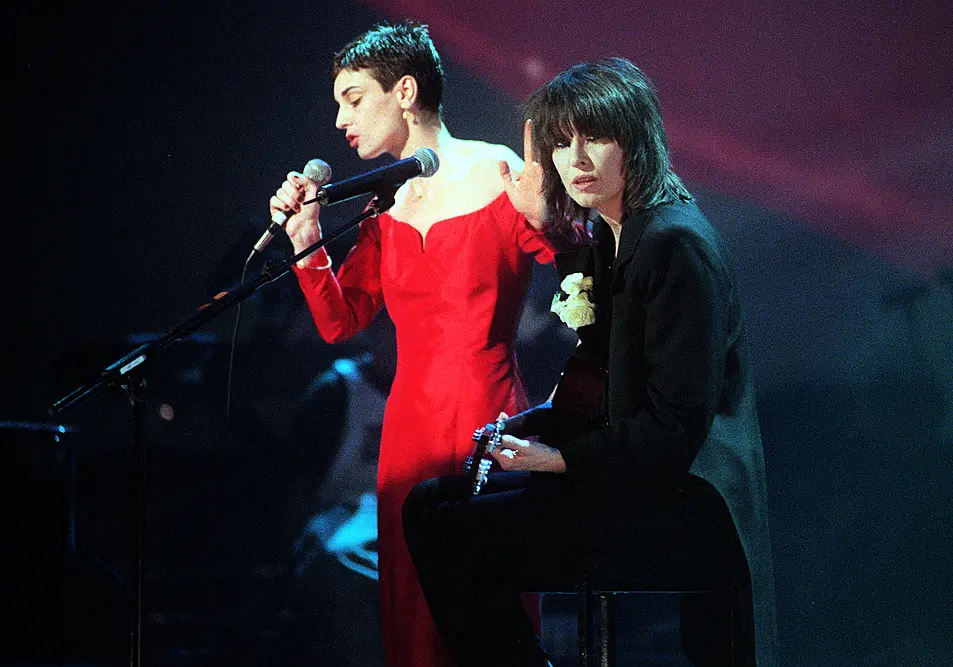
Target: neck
425,134
614,220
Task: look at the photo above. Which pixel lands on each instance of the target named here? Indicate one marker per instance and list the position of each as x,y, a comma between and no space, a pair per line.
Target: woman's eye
561,144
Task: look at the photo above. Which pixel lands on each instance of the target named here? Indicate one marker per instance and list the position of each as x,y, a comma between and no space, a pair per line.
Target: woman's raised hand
302,227
525,190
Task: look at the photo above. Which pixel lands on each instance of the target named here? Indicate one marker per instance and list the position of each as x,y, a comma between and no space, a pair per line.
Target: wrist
541,219
319,261
541,224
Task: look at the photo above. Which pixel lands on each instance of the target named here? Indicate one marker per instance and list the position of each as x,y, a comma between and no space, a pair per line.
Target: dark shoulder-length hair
392,50
610,99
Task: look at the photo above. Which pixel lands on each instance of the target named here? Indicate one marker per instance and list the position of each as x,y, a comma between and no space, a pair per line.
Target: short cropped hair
609,99
391,51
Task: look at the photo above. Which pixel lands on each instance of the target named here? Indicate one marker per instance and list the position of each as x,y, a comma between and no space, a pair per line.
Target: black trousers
525,532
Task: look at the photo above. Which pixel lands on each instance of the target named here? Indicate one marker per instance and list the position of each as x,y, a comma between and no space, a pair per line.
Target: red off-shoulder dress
456,298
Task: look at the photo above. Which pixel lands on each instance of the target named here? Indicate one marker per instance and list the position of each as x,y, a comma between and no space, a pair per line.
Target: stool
596,620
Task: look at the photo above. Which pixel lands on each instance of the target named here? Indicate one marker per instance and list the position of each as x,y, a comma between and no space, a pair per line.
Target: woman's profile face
370,117
592,171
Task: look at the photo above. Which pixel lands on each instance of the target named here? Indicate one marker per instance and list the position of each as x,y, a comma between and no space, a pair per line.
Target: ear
406,91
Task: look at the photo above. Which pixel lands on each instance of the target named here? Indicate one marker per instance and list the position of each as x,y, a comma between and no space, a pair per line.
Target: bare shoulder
481,161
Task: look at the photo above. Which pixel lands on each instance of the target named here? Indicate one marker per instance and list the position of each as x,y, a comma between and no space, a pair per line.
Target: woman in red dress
452,263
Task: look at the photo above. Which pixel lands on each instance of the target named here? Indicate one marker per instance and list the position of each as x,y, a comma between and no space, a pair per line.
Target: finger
505,171
290,197
283,201
513,443
506,458
528,155
276,204
294,191
503,415
302,183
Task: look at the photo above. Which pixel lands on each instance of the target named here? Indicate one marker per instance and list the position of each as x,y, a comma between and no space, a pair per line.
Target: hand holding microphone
288,210
296,205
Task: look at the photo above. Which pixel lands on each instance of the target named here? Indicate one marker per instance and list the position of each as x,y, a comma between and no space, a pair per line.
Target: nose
578,154
342,120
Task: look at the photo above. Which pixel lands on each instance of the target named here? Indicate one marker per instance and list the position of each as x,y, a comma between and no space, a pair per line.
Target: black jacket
679,398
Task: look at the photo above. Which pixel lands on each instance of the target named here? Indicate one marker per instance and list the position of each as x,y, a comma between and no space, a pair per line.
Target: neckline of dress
423,237
452,217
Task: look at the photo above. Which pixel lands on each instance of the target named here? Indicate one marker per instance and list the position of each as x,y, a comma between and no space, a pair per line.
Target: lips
583,181
353,140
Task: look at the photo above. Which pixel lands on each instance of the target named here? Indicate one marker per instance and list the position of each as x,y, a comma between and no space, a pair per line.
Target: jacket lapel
577,260
632,228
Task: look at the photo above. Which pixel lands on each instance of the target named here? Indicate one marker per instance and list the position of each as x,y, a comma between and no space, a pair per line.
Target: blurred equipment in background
333,591
260,534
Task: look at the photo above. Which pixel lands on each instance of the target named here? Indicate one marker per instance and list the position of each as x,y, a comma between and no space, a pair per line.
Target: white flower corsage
575,309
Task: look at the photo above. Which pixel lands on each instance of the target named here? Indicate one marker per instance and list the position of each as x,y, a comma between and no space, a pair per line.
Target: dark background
148,140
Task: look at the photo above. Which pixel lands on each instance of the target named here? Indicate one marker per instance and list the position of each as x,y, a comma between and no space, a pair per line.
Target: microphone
317,170
422,163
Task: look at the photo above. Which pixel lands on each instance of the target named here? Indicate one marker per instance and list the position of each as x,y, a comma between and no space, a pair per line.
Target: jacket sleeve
342,305
683,288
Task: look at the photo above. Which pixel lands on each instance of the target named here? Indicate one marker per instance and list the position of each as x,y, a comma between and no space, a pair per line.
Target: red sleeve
541,244
343,305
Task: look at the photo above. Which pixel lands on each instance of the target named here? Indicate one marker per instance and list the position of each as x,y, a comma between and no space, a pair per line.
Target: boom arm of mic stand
117,373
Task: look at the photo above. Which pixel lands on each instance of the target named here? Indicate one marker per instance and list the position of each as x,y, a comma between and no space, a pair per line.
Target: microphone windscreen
429,162
318,171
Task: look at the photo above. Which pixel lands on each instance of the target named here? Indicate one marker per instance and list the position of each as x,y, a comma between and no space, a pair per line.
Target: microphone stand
129,374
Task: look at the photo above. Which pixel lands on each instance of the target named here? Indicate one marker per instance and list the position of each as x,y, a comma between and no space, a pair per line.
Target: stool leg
582,621
733,621
606,630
